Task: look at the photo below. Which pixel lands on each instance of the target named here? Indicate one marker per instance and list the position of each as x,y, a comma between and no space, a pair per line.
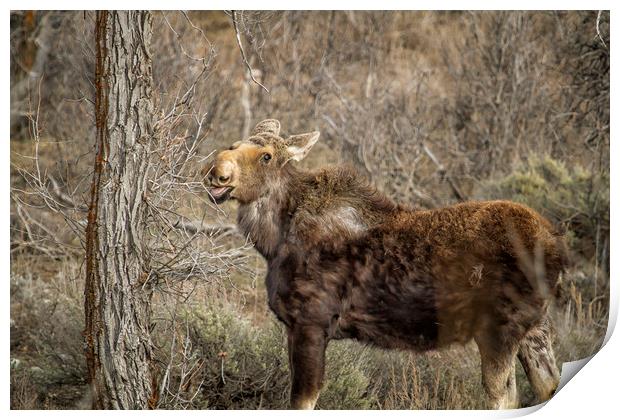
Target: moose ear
267,126
299,145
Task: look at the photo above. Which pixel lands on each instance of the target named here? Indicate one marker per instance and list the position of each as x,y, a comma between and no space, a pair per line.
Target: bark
117,294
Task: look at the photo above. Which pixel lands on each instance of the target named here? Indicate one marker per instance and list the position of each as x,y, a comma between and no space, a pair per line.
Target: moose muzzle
221,176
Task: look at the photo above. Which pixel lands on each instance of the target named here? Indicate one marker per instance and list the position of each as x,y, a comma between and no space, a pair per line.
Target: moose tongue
218,192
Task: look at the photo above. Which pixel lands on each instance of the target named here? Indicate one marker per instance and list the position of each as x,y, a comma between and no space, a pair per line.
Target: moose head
245,171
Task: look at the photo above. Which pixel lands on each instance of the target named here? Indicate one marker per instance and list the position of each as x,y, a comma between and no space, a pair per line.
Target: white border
593,393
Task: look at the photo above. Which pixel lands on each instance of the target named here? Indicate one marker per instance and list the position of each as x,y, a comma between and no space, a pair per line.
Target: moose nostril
223,178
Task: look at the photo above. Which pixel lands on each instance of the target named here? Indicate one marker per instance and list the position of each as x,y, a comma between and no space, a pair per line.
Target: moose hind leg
536,356
307,364
498,373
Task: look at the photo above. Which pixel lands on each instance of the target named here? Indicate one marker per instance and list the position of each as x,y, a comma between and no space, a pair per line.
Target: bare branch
444,173
598,27
245,60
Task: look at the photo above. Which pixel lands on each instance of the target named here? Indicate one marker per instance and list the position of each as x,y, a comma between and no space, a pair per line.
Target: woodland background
433,107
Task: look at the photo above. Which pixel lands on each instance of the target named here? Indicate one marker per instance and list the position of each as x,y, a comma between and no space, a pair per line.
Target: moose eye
266,157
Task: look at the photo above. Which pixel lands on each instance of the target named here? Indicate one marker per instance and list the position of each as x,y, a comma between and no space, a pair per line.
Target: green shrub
48,368
347,378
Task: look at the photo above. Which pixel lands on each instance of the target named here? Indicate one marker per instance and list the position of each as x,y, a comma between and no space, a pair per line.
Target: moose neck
333,203
265,221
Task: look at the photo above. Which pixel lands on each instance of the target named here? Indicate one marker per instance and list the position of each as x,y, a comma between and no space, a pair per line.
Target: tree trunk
117,293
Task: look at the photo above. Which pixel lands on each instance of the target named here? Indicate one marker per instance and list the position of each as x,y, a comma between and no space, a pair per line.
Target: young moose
344,261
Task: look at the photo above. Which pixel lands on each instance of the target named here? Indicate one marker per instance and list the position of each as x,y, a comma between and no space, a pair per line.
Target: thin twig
240,44
444,173
598,27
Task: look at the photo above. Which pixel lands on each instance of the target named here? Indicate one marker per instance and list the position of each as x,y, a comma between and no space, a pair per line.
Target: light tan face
242,172
248,168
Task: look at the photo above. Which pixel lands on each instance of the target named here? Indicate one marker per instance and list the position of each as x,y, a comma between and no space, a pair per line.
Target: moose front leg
306,349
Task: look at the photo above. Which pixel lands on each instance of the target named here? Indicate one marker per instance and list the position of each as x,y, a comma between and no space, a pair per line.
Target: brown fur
344,261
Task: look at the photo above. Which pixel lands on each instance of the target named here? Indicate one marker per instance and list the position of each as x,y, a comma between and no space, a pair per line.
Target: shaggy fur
344,261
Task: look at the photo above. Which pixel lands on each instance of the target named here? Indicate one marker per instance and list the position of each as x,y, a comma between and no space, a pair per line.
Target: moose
345,261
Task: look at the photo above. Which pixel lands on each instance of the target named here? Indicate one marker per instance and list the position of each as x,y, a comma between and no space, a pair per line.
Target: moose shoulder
344,261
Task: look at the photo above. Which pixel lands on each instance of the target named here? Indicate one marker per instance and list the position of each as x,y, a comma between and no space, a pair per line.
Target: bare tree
117,291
